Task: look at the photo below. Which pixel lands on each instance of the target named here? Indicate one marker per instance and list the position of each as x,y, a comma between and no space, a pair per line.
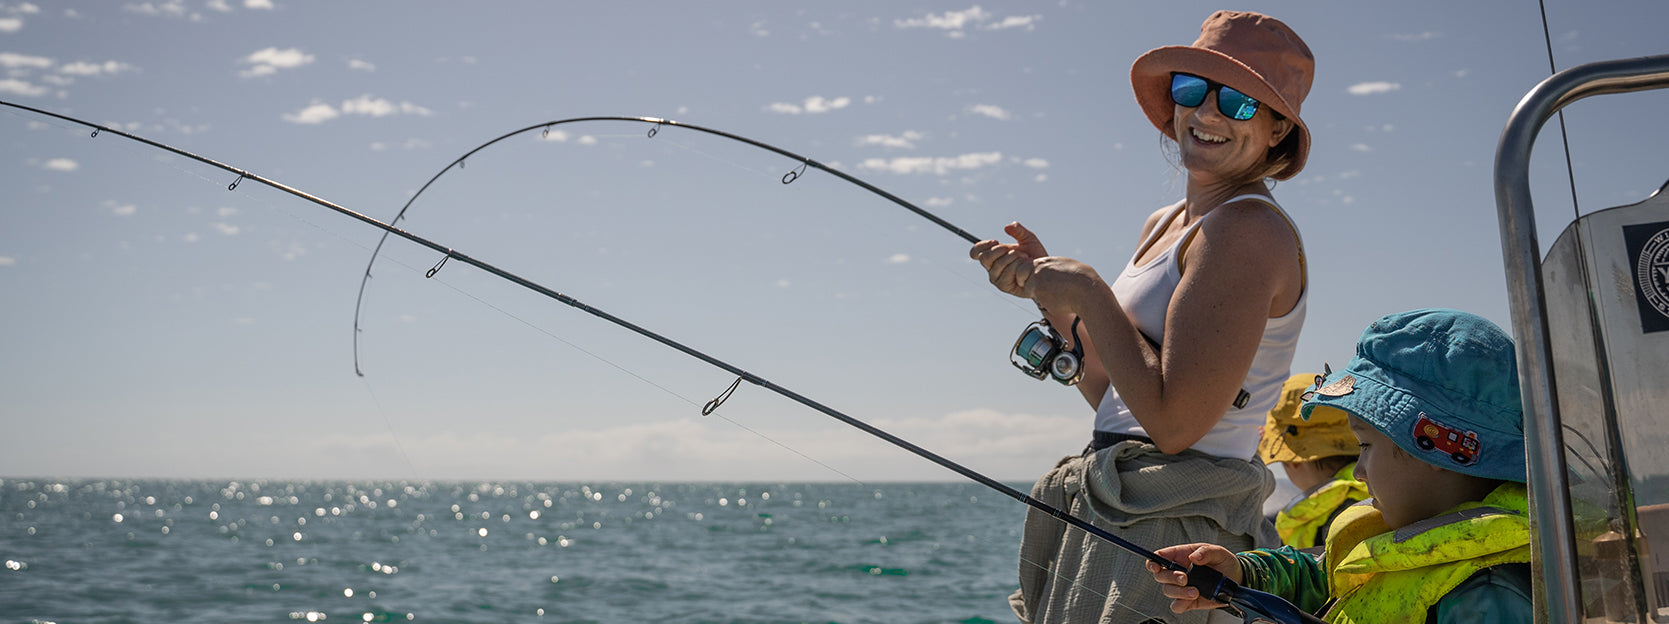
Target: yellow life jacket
1301,523
1379,575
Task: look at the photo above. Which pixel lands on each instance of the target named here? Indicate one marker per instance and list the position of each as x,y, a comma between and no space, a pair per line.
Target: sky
154,323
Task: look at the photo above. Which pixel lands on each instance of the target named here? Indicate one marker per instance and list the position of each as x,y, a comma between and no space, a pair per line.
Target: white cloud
13,60
319,112
258,5
61,164
939,202
1420,36
360,65
122,210
956,23
1360,147
1370,88
24,8
83,68
1028,22
315,113
270,60
218,5
379,107
988,110
19,87
170,8
587,140
554,135
1035,163
813,105
226,211
949,20
898,258
10,24
904,141
6,261
936,166
226,229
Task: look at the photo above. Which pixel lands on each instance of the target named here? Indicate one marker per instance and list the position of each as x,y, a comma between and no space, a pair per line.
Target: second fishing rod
1252,605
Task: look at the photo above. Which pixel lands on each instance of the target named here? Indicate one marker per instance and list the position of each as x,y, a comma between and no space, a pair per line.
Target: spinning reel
1042,352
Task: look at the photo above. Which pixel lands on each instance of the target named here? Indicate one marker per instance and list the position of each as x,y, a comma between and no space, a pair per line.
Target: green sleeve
1285,572
1495,595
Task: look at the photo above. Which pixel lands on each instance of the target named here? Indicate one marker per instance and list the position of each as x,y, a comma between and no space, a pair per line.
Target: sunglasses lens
1236,105
1188,90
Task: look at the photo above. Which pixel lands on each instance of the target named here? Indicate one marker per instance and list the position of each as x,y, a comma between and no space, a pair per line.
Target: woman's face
1215,147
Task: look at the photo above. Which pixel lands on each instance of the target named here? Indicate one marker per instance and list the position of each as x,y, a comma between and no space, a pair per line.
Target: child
1433,397
1319,456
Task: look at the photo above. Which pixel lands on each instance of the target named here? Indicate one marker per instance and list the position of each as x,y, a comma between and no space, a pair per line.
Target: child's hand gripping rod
1253,605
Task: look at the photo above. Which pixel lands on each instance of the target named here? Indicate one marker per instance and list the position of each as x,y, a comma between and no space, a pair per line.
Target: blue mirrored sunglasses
1189,90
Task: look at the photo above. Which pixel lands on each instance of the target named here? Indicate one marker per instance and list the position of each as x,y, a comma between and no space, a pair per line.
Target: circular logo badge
1651,271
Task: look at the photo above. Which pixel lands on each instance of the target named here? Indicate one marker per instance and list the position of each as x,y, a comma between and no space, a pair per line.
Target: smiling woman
1187,349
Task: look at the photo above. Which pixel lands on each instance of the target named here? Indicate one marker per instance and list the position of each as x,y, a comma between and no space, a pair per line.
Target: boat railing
1591,323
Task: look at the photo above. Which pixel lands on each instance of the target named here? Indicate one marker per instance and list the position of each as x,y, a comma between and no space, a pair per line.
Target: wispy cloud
813,105
169,8
13,60
1360,147
957,23
121,210
904,141
258,5
939,202
10,24
60,164
270,60
360,65
315,113
989,110
1419,36
936,166
6,261
19,87
1371,88
378,107
319,111
1035,163
898,258
83,68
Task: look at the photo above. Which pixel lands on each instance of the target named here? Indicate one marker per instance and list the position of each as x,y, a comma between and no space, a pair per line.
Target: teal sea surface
78,551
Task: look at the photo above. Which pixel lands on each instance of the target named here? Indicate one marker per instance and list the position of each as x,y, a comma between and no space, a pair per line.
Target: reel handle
1254,606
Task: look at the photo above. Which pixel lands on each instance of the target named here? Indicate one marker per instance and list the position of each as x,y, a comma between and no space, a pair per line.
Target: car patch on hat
1345,385
1432,436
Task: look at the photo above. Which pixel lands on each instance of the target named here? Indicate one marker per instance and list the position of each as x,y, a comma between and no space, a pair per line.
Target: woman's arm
1234,270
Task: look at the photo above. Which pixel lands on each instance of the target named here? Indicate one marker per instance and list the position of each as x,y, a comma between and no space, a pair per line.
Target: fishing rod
1253,605
658,123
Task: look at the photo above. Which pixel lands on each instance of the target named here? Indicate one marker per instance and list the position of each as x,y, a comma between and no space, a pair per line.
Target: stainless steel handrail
1521,253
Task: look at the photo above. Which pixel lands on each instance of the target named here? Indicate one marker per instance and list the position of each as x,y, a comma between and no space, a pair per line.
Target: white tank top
1145,294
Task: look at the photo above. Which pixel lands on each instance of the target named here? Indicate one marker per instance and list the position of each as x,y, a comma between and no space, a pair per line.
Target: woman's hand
1010,264
1185,598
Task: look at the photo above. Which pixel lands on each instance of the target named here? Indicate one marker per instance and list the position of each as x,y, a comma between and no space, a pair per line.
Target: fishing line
1564,138
1250,603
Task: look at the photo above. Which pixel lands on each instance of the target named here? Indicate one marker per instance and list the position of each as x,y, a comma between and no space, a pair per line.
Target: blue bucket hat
1441,384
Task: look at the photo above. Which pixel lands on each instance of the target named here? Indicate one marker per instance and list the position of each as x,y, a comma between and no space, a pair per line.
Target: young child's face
1400,484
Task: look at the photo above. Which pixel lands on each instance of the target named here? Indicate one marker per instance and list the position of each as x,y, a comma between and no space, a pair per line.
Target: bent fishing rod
1252,604
658,123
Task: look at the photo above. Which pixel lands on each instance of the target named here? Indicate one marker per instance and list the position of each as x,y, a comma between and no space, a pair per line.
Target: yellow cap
1287,437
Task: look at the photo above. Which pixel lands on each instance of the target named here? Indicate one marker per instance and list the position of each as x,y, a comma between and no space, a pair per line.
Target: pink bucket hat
1255,54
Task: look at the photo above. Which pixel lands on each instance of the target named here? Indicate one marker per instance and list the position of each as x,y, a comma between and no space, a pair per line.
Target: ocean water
345,551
